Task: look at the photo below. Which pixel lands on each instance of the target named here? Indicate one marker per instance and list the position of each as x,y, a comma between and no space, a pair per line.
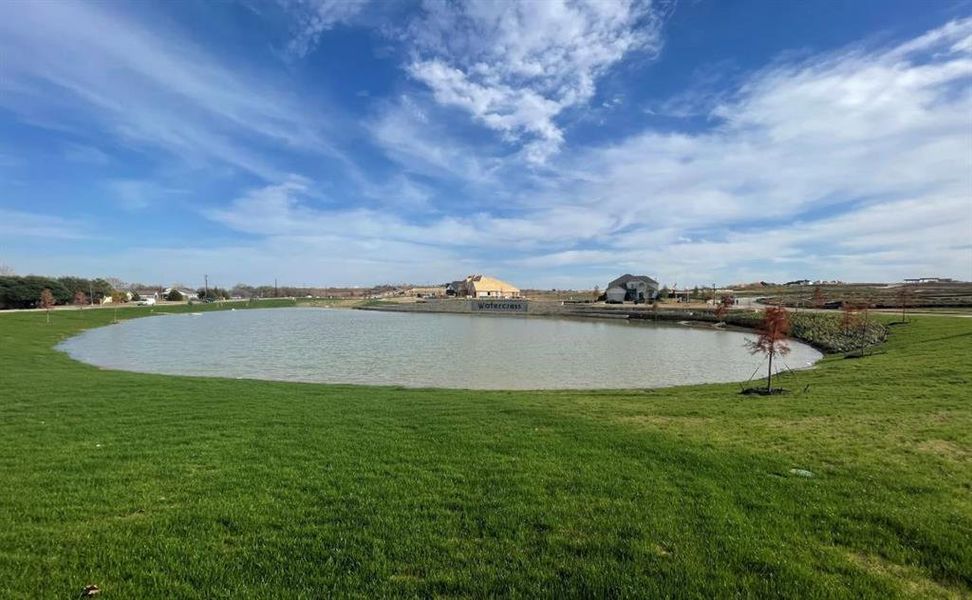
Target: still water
423,350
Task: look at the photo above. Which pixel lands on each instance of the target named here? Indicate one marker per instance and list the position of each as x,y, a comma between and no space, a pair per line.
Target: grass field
169,487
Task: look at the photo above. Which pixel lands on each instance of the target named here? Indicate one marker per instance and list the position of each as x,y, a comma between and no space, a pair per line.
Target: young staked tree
849,317
818,298
80,299
47,302
905,294
855,322
864,323
771,339
723,306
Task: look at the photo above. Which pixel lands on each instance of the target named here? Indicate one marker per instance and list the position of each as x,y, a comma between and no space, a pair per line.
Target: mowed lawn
171,487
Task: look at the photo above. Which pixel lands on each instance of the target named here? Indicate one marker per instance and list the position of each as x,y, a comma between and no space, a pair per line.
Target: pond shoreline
430,350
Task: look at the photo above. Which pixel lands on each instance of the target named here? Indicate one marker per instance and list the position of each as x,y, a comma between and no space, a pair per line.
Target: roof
484,283
620,281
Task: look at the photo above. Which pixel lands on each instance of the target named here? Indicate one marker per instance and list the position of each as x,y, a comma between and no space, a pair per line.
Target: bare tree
865,325
47,302
771,340
6,269
849,316
722,308
905,294
819,301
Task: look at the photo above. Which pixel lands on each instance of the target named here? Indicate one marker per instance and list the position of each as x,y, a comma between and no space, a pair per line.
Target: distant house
482,286
146,294
798,282
632,288
186,294
615,295
680,295
456,288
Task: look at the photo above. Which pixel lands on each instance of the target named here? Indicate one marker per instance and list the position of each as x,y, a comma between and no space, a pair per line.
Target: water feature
423,349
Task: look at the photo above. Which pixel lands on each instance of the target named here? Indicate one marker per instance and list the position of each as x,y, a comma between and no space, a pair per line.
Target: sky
551,143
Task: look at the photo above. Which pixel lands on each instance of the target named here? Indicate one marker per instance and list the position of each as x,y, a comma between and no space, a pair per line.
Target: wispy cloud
143,88
311,18
85,154
15,224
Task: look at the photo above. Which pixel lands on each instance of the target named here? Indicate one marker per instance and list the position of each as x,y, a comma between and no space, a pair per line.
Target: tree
135,296
47,302
855,320
849,316
174,296
80,299
101,288
905,294
865,325
723,306
818,298
771,339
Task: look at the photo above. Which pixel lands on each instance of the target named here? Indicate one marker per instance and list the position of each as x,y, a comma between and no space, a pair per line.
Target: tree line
25,291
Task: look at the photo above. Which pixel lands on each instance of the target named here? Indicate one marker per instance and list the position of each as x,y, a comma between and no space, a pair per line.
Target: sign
498,305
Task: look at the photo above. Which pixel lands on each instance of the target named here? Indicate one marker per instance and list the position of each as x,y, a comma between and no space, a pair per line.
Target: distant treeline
286,291
25,292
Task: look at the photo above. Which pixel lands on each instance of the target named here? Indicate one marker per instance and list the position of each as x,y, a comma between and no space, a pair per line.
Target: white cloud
314,17
516,66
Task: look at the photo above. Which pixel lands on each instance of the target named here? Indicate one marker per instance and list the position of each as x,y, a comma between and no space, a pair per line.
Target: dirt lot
876,295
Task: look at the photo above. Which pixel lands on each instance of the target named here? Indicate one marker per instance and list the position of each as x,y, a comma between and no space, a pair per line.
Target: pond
424,349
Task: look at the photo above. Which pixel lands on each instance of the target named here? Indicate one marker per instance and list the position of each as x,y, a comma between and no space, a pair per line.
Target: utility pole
274,287
205,286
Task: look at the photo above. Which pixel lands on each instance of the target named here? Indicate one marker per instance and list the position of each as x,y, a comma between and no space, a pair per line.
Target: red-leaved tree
80,299
850,317
47,302
725,303
819,301
771,339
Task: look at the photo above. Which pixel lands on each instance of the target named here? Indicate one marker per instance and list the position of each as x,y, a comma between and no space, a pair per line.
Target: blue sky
553,144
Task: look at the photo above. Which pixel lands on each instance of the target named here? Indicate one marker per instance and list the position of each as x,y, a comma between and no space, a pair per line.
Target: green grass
168,487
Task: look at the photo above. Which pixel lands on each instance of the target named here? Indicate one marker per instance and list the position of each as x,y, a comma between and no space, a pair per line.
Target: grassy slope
155,486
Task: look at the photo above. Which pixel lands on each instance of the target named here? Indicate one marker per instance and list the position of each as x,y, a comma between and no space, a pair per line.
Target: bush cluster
25,291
